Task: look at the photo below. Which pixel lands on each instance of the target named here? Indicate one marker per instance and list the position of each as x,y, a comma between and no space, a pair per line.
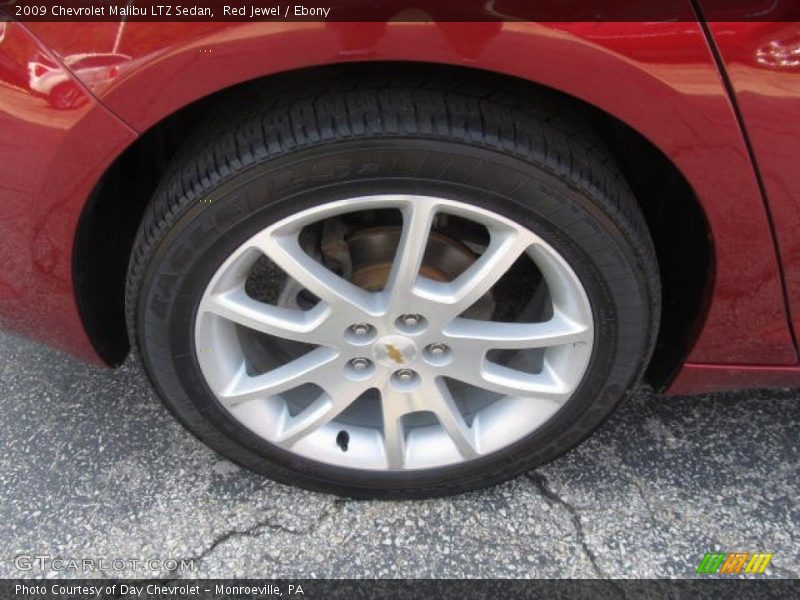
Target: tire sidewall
215,223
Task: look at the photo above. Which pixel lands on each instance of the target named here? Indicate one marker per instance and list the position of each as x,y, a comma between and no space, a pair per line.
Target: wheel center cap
394,351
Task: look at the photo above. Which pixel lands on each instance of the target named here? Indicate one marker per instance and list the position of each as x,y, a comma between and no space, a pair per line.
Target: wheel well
111,218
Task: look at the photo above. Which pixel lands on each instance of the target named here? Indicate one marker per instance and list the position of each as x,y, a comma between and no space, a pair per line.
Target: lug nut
404,375
437,350
359,365
360,329
411,323
405,379
438,354
410,320
359,334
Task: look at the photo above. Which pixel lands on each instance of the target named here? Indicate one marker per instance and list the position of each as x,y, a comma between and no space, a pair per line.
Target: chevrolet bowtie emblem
395,354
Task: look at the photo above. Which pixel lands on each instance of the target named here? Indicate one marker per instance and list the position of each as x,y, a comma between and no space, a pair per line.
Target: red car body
720,100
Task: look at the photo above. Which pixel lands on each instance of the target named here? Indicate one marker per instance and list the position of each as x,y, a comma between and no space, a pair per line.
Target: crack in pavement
259,527
552,498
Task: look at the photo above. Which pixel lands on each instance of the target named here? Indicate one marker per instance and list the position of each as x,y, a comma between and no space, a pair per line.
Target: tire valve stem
342,440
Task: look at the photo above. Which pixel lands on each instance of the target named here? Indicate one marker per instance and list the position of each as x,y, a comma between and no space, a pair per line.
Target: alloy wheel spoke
285,251
393,403
417,221
443,405
434,396
512,382
505,248
306,369
319,413
290,324
496,335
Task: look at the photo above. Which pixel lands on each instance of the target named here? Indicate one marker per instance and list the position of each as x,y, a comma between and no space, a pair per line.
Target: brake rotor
372,252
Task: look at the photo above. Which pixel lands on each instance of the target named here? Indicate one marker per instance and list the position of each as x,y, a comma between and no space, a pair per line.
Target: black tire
529,160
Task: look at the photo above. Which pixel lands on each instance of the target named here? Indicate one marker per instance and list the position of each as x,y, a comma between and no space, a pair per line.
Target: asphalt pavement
92,466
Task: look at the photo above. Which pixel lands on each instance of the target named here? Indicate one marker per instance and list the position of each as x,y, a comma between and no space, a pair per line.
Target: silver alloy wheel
407,341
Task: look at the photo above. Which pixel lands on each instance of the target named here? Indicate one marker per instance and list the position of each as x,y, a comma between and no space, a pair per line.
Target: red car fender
52,154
